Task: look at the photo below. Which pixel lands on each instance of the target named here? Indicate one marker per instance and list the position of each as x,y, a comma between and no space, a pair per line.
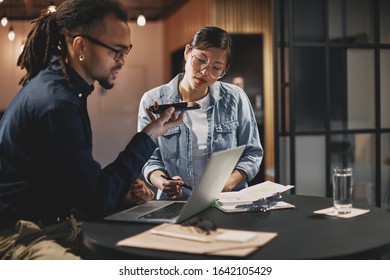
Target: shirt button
80,95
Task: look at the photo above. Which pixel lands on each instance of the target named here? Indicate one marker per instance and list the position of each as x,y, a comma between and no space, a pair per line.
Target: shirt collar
79,84
80,87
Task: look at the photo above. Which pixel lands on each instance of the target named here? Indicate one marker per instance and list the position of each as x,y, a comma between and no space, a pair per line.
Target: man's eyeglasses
119,54
216,70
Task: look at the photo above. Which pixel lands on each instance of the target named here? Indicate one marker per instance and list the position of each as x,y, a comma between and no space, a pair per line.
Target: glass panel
352,88
385,170
360,21
284,160
356,151
309,89
385,87
384,12
361,88
335,21
310,165
351,21
338,88
309,20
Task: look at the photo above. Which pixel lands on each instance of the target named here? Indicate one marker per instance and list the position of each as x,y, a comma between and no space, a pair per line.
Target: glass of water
342,190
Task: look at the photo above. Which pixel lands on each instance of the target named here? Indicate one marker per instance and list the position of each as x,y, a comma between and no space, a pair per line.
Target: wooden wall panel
238,17
182,25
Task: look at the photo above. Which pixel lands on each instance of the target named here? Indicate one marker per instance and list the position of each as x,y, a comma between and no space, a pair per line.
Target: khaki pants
28,241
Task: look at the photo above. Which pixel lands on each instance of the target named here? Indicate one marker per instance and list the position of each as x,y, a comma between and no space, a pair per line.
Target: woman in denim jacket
225,120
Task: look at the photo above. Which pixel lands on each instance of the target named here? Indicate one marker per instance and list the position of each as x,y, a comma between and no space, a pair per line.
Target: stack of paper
228,201
252,193
187,239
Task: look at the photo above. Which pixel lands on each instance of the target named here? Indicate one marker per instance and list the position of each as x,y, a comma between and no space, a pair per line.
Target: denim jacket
231,123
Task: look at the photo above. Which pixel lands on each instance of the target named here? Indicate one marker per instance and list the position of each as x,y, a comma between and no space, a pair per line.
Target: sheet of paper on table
187,239
252,193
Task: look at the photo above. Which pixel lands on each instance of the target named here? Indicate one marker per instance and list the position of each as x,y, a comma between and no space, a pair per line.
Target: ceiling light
11,33
141,20
4,21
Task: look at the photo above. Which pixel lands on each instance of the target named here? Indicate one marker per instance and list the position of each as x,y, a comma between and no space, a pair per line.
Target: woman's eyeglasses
119,54
216,70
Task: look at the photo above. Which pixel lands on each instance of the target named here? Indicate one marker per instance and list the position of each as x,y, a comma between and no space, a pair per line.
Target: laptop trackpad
148,206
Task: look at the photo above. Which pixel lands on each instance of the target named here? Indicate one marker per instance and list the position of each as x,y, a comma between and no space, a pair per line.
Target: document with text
252,193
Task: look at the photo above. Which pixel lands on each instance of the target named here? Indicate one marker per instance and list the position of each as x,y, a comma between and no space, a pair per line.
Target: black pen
184,185
255,209
258,204
253,205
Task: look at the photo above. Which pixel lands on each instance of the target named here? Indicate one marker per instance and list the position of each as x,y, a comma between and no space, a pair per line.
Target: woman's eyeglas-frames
119,54
216,70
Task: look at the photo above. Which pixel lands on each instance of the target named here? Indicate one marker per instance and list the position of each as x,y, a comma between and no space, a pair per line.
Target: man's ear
78,45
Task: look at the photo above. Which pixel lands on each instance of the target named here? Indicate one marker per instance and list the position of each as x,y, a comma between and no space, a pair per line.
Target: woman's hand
172,187
235,178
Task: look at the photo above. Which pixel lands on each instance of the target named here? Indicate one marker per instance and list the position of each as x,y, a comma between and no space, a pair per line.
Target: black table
301,234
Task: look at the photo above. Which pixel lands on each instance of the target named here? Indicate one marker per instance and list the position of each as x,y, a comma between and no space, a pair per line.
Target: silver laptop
211,183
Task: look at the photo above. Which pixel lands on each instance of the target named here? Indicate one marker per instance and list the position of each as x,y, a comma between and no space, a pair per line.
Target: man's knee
43,250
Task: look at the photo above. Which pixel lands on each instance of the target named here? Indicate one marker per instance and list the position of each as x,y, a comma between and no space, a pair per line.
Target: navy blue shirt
46,144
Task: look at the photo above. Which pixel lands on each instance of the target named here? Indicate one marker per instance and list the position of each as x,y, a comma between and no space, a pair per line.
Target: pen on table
250,208
184,185
253,205
258,204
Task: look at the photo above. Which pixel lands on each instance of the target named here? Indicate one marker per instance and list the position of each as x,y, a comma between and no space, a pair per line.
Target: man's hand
164,122
138,191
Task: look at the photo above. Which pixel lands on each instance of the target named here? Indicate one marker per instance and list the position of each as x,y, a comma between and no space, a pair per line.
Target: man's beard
105,83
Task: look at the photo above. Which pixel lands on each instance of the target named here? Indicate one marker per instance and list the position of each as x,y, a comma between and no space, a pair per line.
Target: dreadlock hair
50,32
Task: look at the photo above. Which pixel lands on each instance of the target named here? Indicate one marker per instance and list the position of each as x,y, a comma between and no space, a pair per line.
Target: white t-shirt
197,120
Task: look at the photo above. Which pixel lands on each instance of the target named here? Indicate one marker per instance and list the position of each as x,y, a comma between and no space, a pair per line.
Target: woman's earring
81,57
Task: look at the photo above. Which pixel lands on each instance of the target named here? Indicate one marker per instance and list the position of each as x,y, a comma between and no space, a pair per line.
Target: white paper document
232,208
252,193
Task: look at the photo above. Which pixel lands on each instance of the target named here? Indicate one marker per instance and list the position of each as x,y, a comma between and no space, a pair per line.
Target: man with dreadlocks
47,172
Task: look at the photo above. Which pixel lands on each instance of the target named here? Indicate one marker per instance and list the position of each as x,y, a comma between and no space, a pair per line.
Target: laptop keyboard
167,212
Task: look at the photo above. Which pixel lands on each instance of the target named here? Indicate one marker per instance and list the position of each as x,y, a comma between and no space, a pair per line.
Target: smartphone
181,106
